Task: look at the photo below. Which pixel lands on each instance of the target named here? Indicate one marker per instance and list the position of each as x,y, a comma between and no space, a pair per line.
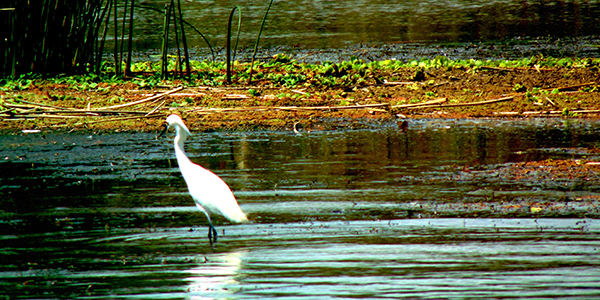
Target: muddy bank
384,94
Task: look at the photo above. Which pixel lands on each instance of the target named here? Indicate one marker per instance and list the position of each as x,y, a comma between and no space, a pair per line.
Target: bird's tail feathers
237,215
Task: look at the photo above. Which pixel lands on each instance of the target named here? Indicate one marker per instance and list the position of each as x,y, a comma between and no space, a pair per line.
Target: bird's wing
213,194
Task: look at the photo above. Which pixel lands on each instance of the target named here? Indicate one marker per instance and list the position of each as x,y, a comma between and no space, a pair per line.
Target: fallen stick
586,111
44,105
432,102
547,112
153,98
8,111
229,109
570,87
235,97
538,69
301,92
21,106
478,103
357,106
291,108
157,108
122,119
33,116
177,94
400,83
92,112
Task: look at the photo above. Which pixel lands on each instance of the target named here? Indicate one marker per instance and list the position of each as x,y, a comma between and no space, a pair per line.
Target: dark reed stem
184,40
107,11
130,40
67,36
178,67
165,47
122,42
116,54
189,25
228,46
53,36
7,42
257,41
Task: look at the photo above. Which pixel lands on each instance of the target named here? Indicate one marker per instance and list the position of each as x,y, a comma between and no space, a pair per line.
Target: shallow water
336,24
370,213
375,30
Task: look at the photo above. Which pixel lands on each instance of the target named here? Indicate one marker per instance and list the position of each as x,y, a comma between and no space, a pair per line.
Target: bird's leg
212,231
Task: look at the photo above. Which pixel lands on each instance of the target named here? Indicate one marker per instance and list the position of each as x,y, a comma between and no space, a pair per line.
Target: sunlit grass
285,72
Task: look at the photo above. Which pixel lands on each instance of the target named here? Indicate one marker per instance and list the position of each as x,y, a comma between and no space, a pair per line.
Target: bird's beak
165,128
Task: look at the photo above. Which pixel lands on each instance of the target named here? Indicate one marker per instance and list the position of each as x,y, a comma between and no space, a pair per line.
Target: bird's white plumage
209,191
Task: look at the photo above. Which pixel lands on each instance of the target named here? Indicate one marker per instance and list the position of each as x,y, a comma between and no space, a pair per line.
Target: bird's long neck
179,152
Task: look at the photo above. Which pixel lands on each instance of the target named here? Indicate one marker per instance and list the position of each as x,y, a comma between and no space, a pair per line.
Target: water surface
369,30
370,213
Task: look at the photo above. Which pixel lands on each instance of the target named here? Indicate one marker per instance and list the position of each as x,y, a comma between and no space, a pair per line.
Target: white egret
210,193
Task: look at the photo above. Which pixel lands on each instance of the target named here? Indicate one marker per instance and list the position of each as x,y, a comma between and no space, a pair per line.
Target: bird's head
174,121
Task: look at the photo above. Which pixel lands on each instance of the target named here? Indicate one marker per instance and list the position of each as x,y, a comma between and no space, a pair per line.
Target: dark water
372,213
334,30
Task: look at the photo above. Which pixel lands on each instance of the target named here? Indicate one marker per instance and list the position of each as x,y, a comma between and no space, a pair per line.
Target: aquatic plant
62,36
262,25
49,36
228,46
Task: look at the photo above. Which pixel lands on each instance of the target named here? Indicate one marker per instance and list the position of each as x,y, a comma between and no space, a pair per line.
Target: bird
210,193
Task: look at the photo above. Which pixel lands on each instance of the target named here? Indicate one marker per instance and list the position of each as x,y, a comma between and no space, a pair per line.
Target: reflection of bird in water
215,277
211,194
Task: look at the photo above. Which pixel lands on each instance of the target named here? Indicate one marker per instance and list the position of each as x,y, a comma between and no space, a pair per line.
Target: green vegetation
284,72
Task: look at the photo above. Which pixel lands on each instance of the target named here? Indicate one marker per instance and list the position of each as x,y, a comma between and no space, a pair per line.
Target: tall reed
262,25
48,36
228,44
70,36
172,12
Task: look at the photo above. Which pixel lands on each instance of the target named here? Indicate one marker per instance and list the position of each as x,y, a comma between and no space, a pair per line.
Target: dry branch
44,105
288,108
122,119
428,103
157,108
438,103
509,98
400,83
95,112
235,97
570,87
551,113
153,98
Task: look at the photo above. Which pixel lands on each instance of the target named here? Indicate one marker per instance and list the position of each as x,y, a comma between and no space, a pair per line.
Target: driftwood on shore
21,109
